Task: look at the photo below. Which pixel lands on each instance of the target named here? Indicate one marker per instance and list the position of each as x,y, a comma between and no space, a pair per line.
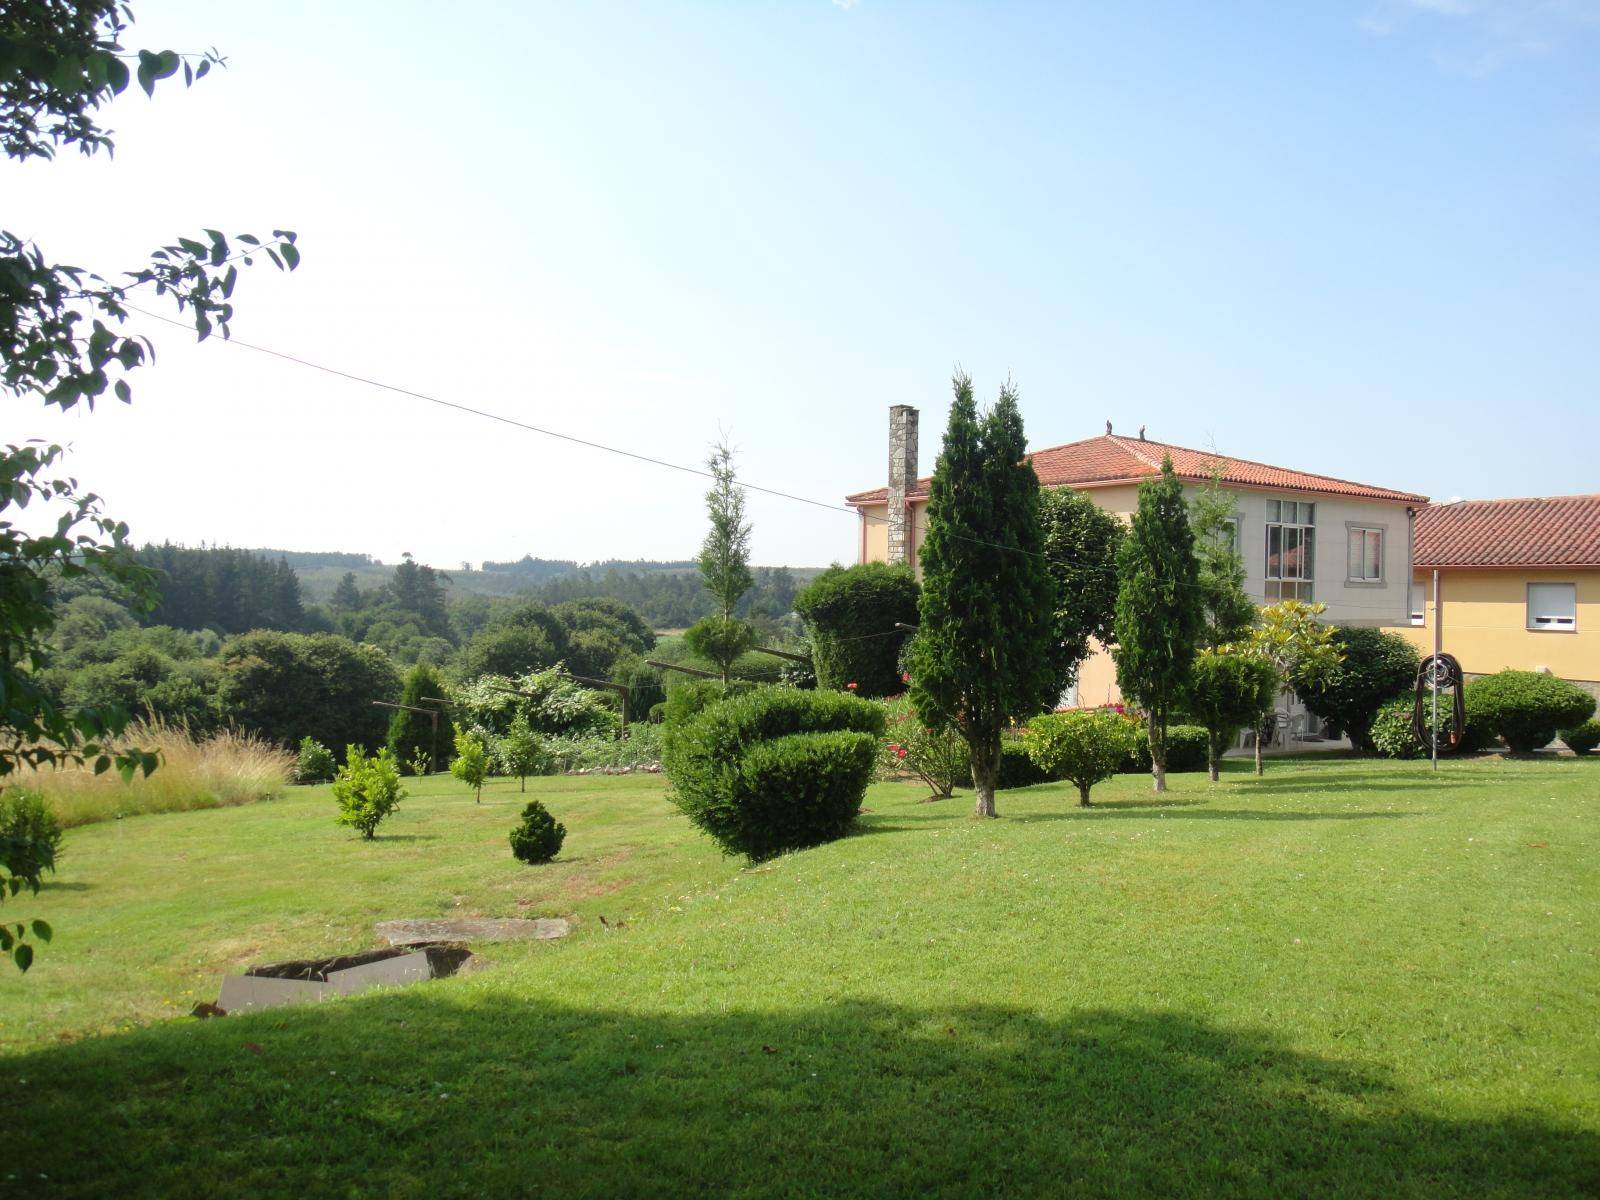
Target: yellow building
1302,536
1519,585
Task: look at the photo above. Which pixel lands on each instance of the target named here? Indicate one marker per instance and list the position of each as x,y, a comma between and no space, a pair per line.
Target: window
1553,606
1365,555
1291,542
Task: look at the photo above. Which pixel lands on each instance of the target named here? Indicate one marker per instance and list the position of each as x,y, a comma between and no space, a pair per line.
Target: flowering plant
940,760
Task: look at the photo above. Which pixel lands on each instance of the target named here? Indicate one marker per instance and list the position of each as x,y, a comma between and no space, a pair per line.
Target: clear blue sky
1355,238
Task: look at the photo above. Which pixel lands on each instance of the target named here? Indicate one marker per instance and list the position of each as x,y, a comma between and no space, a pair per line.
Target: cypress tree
981,657
1159,609
411,733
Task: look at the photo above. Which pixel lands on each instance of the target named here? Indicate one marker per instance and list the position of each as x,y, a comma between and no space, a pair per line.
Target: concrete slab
387,972
472,929
241,993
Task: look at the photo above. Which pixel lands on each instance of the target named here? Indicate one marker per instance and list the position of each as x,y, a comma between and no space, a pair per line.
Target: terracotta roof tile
1536,531
1111,458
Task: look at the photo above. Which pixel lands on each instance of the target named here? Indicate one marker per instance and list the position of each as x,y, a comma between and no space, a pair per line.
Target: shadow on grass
440,1091
65,885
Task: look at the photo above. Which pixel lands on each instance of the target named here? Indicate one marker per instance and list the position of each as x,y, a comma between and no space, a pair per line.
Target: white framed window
1291,549
1419,616
1364,555
1553,606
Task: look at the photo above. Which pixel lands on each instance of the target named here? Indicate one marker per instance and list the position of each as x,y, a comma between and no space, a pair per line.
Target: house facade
1302,536
1519,585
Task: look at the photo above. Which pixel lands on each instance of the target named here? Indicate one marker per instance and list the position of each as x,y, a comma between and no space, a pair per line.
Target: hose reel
1438,674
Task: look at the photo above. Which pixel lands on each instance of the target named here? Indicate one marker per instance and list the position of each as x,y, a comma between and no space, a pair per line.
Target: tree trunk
1083,795
985,773
1214,757
1260,766
1157,733
524,779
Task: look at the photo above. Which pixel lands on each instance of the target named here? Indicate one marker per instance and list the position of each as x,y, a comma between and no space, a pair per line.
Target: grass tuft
220,771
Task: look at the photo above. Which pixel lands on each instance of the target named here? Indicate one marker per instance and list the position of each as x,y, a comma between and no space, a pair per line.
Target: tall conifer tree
981,657
1160,613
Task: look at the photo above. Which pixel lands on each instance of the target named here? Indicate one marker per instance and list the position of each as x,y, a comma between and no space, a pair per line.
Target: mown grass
223,769
1343,979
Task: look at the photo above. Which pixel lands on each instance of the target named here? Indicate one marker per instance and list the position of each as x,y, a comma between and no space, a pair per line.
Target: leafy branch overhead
60,62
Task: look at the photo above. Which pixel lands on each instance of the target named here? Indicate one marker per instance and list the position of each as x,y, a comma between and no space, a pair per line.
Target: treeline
222,589
674,600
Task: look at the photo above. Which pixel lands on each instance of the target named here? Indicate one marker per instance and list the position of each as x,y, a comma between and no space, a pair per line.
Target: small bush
1393,737
538,836
1187,750
316,762
367,789
773,770
471,763
1581,739
30,835
1084,747
522,752
1527,708
940,760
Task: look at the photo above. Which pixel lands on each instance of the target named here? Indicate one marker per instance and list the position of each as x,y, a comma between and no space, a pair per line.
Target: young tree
1084,747
982,654
414,737
522,752
1080,541
724,567
1298,646
471,763
1227,611
1158,619
62,62
1227,691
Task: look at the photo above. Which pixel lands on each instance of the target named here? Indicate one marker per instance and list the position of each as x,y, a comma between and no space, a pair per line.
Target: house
1519,585
1303,536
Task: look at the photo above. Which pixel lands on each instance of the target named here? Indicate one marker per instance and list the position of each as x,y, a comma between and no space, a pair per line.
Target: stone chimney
902,478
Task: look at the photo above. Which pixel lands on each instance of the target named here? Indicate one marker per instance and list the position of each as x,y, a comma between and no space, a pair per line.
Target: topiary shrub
1376,667
367,789
1526,708
693,696
1084,747
775,769
537,837
850,614
315,764
940,759
1581,739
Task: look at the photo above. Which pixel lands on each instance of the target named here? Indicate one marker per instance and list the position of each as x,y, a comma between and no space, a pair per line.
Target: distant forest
232,591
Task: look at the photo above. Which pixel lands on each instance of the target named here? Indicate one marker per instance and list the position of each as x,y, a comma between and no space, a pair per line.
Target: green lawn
1348,978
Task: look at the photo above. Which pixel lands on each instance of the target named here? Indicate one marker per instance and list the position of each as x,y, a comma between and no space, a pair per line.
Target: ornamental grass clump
1082,746
775,769
219,771
538,836
367,789
938,758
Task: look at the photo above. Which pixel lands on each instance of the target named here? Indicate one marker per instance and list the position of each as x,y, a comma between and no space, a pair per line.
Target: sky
1360,239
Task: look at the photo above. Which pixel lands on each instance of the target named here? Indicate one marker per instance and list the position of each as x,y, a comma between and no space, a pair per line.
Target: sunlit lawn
1348,978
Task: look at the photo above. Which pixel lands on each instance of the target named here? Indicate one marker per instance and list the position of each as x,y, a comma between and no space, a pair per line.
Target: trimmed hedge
1527,708
1581,739
850,613
1017,769
689,699
1188,748
775,769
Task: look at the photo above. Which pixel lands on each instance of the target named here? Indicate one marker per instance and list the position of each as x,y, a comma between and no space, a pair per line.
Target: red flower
899,751
851,686
905,676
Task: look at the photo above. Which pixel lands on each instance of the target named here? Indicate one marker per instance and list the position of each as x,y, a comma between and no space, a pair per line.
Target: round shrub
315,764
850,613
1085,746
538,836
1581,739
1526,708
30,835
1376,667
775,769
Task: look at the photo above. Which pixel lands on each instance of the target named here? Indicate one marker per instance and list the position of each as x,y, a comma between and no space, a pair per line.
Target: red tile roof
1111,458
1537,531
